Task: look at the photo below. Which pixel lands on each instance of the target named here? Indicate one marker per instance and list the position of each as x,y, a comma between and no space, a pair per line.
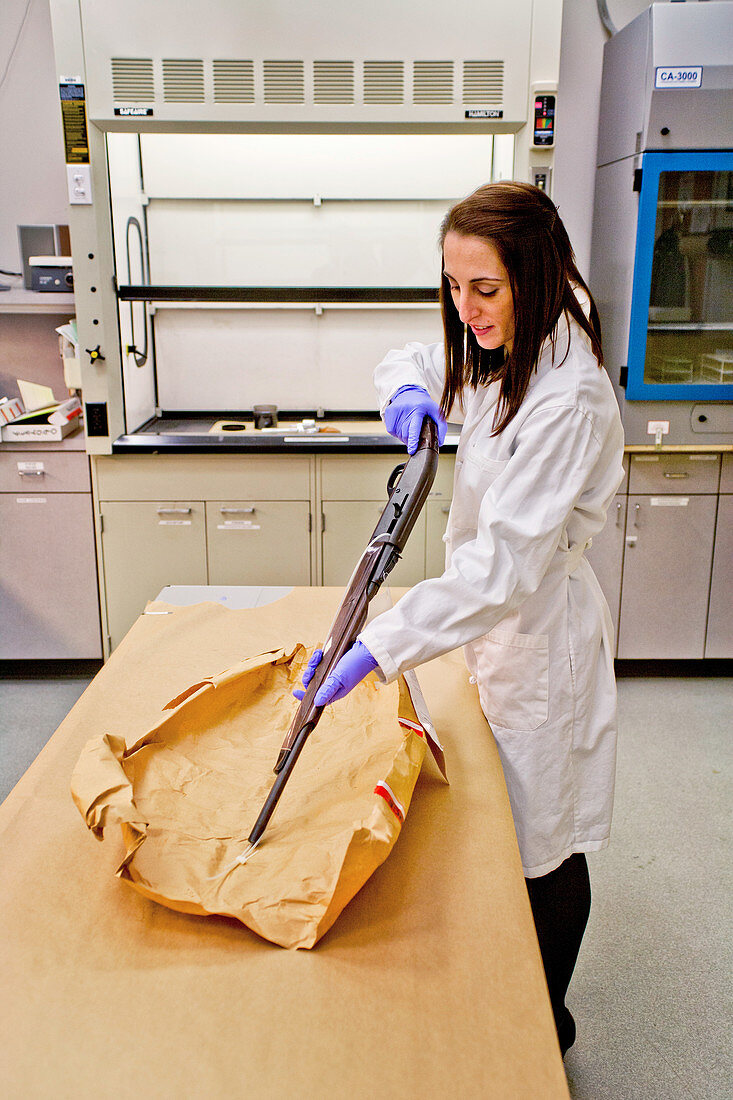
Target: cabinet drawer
674,473
158,477
44,472
258,542
364,477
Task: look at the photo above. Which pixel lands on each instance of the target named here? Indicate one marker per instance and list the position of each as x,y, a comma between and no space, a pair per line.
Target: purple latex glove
405,413
355,664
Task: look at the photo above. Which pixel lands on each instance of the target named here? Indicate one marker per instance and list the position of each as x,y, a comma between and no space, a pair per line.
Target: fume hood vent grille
320,83
183,81
483,82
284,82
384,81
132,80
234,82
432,82
333,81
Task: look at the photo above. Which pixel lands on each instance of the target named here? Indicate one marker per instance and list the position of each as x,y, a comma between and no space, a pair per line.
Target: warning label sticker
74,118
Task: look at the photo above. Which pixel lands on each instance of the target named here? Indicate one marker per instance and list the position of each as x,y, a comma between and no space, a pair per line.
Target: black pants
560,906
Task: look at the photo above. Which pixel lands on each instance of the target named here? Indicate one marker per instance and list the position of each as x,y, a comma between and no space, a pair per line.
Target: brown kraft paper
187,793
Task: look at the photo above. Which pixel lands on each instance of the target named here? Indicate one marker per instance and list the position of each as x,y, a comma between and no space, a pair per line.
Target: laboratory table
430,982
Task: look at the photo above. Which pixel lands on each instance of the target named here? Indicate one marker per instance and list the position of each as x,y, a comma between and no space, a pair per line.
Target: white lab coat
518,593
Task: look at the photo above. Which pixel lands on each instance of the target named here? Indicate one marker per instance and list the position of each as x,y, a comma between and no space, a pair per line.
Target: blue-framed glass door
681,329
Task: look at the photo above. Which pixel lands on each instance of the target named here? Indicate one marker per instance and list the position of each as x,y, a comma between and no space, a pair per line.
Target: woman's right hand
405,413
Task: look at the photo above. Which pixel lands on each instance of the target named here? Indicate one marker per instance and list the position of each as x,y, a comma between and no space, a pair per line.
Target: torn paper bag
187,793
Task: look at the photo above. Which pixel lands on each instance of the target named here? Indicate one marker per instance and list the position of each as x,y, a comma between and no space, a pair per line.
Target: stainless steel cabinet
49,602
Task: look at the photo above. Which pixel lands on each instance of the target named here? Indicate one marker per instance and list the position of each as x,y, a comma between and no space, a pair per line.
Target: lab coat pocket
491,467
476,476
513,676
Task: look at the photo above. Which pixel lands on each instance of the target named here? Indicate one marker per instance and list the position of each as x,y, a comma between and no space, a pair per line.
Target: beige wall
32,172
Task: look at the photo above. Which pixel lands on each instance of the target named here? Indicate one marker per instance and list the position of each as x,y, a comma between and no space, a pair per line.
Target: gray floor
652,991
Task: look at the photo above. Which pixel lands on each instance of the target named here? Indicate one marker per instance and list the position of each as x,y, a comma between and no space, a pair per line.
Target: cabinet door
255,542
666,579
719,642
49,604
348,525
145,547
436,517
606,555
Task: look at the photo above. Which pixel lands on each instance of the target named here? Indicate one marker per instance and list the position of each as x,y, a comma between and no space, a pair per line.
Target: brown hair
523,225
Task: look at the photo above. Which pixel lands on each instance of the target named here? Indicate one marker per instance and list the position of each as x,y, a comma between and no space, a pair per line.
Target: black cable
17,274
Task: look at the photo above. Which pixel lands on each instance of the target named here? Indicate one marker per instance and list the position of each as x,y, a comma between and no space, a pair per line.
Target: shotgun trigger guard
394,477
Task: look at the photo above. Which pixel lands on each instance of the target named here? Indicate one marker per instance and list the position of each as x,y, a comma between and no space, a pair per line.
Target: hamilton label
484,112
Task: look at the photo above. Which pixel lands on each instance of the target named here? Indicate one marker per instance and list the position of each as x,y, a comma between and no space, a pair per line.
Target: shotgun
407,490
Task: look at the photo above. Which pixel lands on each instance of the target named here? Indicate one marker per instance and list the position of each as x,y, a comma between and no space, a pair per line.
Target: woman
538,463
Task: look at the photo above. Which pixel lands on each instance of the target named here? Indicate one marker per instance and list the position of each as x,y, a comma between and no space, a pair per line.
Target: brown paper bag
187,793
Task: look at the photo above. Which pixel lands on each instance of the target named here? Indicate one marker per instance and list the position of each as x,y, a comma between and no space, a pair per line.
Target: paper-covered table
430,982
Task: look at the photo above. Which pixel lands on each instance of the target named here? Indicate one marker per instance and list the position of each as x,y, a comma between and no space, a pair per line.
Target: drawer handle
445,509
32,473
637,510
237,511
677,477
619,514
174,511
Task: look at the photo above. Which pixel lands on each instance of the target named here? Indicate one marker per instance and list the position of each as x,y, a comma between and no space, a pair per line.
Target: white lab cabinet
670,531
49,602
719,641
191,533
306,519
148,544
258,542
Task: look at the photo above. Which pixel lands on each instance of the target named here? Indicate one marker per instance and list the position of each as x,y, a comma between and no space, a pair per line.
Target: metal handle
237,511
631,540
677,477
445,509
32,473
619,513
174,511
637,509
140,354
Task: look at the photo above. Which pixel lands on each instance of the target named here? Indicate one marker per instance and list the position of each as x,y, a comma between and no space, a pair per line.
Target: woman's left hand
355,664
